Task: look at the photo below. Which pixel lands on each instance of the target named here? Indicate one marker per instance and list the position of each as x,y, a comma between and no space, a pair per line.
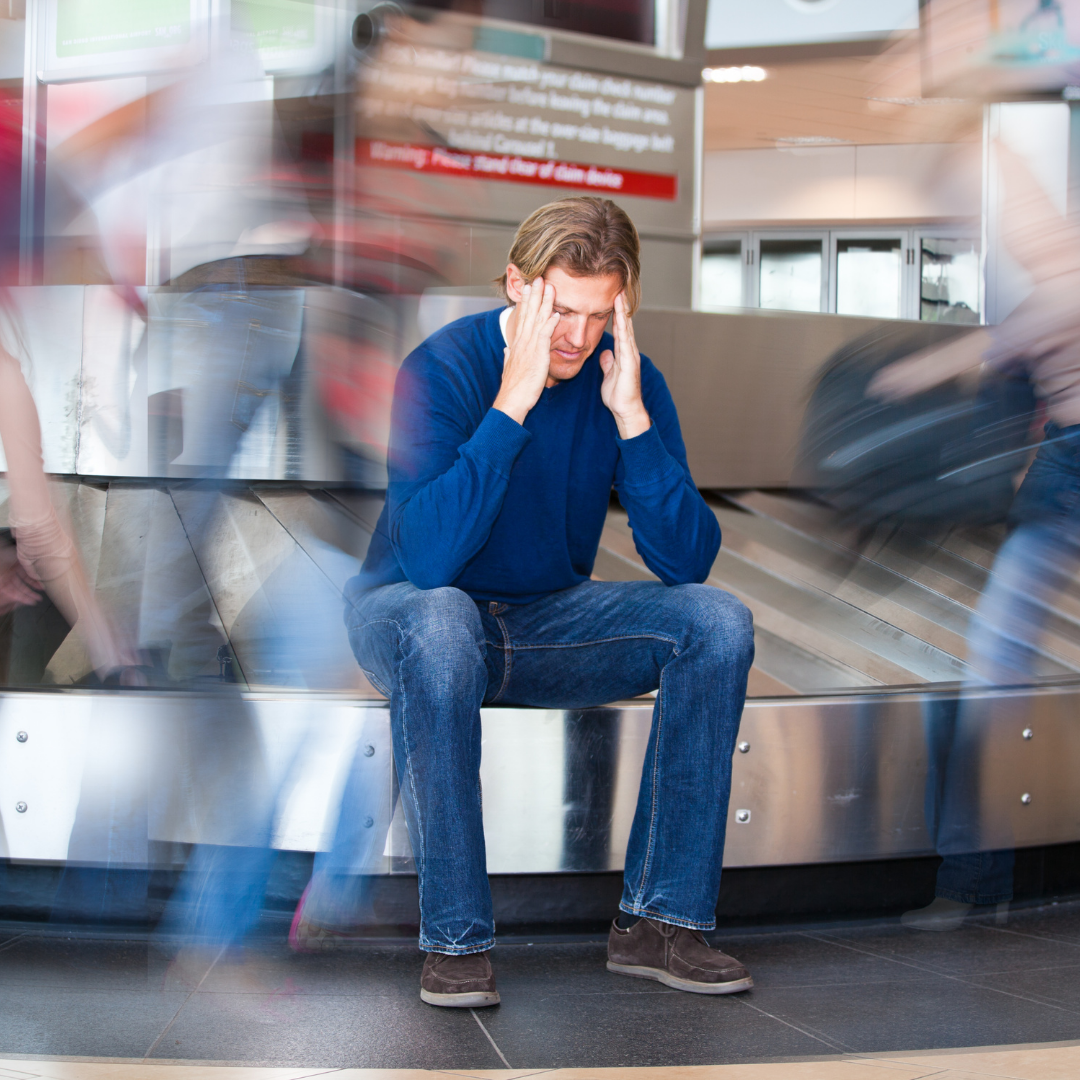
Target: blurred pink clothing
44,547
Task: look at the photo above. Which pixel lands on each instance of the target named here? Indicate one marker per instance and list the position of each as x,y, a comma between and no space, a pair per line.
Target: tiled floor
837,993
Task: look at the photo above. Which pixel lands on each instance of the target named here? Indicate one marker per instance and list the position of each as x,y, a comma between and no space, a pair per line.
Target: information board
515,123
87,39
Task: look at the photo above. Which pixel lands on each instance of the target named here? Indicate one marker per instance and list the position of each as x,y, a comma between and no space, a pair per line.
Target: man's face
584,305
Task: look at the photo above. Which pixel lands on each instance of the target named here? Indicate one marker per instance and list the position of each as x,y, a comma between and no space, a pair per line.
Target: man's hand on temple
525,369
621,388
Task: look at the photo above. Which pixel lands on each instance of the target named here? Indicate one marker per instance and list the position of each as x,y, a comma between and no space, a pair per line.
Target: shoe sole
476,1000
938,926
665,977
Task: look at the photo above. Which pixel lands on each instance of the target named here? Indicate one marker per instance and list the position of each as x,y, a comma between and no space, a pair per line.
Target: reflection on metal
831,779
111,403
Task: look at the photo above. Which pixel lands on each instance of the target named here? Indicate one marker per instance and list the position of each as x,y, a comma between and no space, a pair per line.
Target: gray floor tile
311,1030
84,1023
372,971
928,1014
557,969
801,960
562,1029
1058,985
967,951
80,963
1057,922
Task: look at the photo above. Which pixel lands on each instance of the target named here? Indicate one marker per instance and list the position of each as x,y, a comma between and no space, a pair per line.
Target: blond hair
586,237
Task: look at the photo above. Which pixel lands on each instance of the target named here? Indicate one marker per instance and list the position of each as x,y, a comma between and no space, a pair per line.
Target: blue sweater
512,512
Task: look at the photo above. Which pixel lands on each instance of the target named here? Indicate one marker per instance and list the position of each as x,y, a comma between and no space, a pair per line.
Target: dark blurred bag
943,457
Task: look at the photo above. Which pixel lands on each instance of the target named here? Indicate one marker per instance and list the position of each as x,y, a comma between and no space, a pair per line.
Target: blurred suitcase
947,456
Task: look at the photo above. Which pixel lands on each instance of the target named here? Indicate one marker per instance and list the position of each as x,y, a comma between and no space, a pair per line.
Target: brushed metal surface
824,779
741,381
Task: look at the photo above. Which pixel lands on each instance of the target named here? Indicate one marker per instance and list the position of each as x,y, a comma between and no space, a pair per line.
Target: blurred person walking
224,334
1042,551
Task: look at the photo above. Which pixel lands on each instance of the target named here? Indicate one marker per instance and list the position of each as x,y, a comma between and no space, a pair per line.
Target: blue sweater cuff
498,441
645,457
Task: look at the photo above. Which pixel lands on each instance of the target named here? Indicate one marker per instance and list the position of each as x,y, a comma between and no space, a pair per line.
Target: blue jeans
230,347
439,655
1035,562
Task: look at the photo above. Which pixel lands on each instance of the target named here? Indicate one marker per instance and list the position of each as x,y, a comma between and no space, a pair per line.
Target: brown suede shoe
460,982
675,956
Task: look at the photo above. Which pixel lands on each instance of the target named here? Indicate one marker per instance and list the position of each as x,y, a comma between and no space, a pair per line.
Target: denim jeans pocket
1050,491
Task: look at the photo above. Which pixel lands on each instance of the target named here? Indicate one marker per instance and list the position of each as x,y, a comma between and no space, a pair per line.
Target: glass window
722,276
791,274
949,289
868,277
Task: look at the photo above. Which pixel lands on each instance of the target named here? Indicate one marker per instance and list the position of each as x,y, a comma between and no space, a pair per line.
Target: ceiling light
916,101
747,73
810,140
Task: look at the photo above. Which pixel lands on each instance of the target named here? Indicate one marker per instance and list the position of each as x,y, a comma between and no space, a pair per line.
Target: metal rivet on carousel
744,748
368,822
369,750
1025,798
742,816
21,737
1027,733
21,807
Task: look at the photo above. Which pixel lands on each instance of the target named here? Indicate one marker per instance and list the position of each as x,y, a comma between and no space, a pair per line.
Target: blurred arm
929,367
44,549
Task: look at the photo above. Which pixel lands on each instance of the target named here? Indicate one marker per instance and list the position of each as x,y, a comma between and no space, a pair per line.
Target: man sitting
509,431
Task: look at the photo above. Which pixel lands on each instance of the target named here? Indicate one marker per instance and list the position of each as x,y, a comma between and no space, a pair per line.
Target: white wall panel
812,183
923,181
836,184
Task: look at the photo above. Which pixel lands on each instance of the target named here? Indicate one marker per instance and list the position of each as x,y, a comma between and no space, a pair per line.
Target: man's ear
515,282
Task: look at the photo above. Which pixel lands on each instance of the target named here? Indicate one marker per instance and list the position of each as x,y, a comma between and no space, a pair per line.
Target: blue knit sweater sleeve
448,473
675,532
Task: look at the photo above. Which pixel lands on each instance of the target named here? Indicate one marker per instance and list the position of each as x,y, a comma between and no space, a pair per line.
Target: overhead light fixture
747,73
810,140
917,101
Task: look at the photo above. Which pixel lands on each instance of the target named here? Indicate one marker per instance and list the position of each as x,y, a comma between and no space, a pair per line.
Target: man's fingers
622,337
533,296
607,361
547,301
526,310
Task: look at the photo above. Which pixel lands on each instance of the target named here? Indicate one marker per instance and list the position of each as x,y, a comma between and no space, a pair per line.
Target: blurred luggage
946,456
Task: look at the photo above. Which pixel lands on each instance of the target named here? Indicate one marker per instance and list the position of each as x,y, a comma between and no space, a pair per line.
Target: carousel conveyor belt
854,635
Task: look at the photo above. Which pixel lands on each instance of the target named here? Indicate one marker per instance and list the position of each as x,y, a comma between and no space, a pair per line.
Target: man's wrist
514,409
633,422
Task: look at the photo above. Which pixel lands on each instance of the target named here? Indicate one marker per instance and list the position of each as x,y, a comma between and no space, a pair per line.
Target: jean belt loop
493,607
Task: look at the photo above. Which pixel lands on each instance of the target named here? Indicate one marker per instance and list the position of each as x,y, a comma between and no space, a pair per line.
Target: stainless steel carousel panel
44,736
828,781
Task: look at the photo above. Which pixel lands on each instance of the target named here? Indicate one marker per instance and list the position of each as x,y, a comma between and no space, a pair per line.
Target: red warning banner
518,170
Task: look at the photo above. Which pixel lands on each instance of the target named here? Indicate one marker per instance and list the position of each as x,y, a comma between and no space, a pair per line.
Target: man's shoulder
472,336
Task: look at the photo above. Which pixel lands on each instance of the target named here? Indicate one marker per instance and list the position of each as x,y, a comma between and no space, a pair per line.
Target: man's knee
439,629
716,619
443,625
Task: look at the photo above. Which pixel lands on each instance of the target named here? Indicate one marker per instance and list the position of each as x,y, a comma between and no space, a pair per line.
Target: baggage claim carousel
827,808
